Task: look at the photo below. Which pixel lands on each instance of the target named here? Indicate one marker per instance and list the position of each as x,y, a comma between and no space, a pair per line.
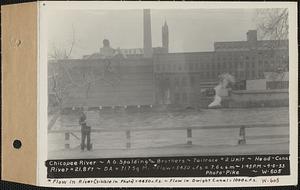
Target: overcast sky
189,30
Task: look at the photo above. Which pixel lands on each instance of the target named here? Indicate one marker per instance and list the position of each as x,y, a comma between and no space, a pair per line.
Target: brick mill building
152,75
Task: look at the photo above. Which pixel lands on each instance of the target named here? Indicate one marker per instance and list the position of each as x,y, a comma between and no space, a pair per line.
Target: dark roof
245,44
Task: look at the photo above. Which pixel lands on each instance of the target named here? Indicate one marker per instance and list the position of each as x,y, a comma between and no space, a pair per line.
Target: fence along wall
188,130
104,82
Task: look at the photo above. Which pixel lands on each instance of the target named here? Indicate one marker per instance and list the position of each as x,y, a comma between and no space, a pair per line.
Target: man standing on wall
85,133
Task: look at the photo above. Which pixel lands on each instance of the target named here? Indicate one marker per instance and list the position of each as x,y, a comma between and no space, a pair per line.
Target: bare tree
273,26
59,77
57,70
273,23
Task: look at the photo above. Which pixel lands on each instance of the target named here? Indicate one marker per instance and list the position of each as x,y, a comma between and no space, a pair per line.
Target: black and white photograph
139,83
150,94
150,91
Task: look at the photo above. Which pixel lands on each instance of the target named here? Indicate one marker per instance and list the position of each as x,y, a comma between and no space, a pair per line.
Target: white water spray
225,79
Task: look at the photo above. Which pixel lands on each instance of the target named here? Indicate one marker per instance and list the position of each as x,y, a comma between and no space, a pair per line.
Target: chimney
165,37
147,34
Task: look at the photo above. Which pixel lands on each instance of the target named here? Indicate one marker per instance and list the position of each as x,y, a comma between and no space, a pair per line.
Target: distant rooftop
251,43
245,45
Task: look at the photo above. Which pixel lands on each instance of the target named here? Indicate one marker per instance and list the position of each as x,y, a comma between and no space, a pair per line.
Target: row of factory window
169,67
228,57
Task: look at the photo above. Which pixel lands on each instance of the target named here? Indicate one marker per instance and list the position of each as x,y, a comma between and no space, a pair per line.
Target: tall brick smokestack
147,34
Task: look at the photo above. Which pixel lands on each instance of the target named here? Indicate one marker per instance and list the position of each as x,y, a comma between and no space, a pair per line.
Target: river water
172,120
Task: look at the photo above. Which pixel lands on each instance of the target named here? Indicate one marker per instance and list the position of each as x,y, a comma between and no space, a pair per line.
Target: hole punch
17,144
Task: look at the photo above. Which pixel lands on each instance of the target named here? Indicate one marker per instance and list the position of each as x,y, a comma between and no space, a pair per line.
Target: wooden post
67,140
189,136
242,137
128,144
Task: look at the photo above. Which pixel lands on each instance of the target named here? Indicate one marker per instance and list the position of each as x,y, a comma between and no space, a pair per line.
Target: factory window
169,67
191,66
176,81
185,67
195,66
260,64
157,67
184,97
242,74
205,75
224,65
241,65
235,64
167,81
229,66
250,76
162,67
261,74
266,65
213,74
192,80
213,67
253,74
179,67
183,83
177,97
236,74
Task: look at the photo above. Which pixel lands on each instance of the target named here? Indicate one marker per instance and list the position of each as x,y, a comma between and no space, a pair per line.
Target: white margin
80,5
